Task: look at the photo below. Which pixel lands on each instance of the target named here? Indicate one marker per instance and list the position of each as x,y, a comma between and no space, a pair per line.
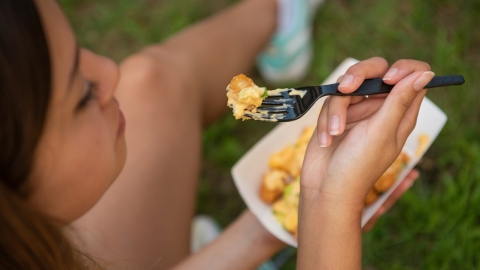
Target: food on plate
372,196
273,184
281,184
285,209
390,176
290,158
244,96
423,140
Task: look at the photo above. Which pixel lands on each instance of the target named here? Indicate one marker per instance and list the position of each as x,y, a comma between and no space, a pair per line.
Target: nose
110,78
102,70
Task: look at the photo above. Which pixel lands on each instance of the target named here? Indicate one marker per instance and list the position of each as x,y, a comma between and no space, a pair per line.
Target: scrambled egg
244,95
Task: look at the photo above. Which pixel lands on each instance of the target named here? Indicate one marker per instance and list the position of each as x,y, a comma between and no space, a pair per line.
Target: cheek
81,169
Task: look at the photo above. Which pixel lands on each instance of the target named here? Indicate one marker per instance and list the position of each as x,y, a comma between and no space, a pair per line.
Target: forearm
329,234
244,245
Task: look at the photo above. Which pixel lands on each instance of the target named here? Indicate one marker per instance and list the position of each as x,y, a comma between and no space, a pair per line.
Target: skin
134,212
372,134
82,149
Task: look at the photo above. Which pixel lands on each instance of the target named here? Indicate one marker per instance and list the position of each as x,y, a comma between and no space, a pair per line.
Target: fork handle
377,86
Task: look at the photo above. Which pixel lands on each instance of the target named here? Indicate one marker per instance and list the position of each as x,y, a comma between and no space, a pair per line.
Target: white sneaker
204,230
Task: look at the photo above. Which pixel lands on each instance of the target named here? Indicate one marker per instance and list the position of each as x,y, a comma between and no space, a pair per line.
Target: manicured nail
346,81
323,139
334,125
423,80
392,72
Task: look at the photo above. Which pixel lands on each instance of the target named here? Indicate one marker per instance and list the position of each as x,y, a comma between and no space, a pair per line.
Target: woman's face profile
82,149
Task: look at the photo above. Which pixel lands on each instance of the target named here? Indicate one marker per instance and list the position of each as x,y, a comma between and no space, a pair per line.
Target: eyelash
92,93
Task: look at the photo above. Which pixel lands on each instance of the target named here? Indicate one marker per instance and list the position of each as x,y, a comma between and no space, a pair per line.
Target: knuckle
147,80
411,125
404,102
426,66
402,62
377,60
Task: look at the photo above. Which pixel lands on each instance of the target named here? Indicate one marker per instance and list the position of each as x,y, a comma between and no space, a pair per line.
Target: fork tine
274,109
265,116
278,101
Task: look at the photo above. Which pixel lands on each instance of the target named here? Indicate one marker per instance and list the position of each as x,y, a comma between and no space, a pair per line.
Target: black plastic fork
285,107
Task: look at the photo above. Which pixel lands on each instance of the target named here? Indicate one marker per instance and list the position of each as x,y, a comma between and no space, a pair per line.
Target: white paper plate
248,171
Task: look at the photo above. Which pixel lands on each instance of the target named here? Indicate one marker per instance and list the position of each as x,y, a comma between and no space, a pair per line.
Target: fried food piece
285,209
291,194
280,210
244,95
273,184
372,196
423,140
291,220
306,135
239,82
391,175
294,168
385,181
281,159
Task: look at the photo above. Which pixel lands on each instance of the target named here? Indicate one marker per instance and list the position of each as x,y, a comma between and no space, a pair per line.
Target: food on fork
244,95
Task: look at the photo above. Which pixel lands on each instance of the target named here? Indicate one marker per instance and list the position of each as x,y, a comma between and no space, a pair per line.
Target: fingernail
334,125
423,80
323,139
390,74
346,81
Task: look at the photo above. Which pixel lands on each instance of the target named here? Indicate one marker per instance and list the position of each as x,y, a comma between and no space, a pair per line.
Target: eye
90,94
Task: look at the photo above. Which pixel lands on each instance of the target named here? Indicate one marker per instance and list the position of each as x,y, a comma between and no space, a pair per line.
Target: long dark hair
27,239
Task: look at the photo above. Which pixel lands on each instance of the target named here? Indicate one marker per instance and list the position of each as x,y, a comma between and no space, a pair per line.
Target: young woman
64,171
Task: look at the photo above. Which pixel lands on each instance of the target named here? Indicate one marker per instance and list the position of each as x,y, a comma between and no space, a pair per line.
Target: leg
167,93
211,52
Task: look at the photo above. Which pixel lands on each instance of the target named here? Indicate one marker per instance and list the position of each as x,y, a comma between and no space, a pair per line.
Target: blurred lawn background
436,225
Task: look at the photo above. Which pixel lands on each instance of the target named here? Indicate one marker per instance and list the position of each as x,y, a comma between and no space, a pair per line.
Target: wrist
332,200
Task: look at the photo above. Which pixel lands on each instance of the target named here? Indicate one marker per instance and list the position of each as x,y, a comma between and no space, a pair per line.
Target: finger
392,199
340,78
337,114
410,119
401,98
371,68
324,138
358,99
363,110
403,68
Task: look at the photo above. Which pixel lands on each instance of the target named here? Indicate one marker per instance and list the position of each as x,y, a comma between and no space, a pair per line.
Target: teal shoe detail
288,55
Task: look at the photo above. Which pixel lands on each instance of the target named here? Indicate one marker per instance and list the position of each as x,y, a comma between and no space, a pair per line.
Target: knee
152,78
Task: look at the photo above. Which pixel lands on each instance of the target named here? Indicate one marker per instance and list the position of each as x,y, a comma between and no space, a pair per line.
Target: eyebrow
75,66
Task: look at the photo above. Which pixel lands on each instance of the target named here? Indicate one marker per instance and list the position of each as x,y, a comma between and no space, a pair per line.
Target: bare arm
341,165
245,244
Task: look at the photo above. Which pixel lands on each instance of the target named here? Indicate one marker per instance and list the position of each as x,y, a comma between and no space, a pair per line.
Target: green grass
436,225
